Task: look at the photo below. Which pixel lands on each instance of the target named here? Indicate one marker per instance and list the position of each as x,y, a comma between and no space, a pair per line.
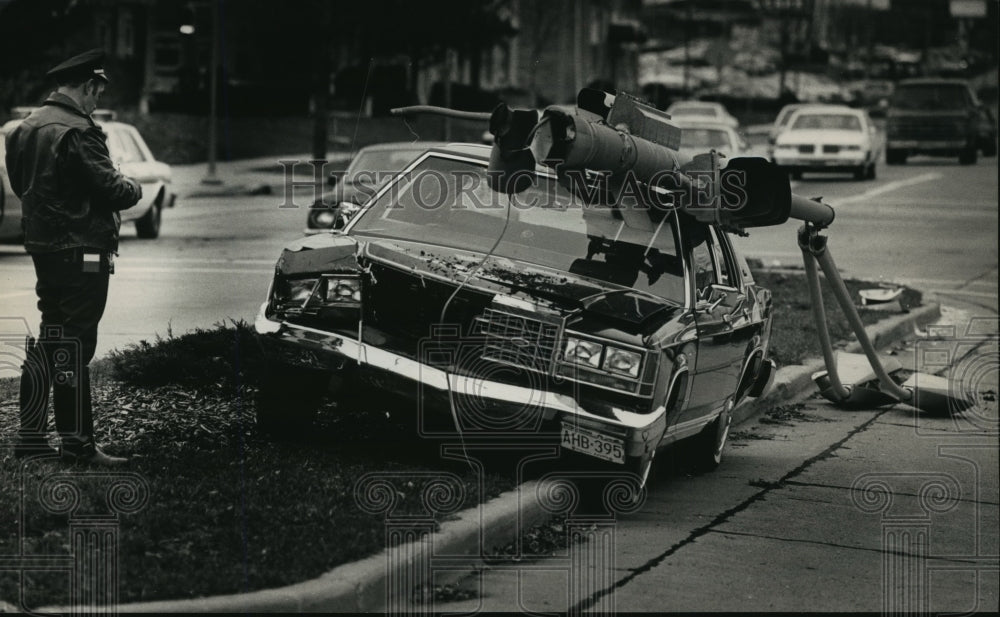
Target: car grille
831,149
806,149
517,340
927,128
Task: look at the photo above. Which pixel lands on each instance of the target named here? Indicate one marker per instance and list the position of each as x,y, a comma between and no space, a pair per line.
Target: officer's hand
136,185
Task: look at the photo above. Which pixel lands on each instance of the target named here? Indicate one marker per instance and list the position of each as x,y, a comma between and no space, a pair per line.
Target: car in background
758,139
873,95
784,115
701,111
698,137
540,316
131,156
368,169
940,117
828,139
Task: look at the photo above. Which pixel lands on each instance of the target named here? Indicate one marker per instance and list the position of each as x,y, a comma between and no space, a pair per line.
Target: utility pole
210,176
321,92
687,47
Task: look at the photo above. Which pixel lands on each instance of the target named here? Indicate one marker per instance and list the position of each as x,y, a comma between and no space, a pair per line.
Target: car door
725,325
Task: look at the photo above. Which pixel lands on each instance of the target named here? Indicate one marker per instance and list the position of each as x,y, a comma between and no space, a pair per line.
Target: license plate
593,443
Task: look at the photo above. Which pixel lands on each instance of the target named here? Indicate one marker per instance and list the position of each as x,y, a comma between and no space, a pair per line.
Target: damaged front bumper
608,436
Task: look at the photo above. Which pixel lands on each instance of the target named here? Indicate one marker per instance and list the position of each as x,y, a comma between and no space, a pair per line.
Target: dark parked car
940,117
613,332
370,167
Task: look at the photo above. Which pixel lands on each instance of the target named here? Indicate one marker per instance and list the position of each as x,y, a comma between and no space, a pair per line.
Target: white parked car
133,158
701,111
700,137
828,139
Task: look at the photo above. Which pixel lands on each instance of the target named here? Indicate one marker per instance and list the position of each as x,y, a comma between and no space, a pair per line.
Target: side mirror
344,213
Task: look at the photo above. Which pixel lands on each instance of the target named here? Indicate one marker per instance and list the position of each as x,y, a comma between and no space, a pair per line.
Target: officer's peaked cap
89,64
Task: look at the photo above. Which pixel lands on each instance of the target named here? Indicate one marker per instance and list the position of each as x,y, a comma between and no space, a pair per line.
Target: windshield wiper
589,301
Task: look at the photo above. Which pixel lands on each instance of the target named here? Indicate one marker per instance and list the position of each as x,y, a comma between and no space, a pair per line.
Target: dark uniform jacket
70,192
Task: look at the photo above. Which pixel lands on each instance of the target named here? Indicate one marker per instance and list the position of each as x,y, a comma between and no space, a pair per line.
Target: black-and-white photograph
499,306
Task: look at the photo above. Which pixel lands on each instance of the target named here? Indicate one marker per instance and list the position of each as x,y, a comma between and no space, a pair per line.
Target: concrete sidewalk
256,176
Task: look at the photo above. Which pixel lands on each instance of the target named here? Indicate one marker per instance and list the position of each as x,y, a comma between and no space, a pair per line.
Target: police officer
71,193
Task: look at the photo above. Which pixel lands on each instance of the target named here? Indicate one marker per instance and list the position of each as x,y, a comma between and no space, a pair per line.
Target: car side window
704,270
722,265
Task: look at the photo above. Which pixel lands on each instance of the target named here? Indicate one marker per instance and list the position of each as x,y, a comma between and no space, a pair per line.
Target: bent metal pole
820,251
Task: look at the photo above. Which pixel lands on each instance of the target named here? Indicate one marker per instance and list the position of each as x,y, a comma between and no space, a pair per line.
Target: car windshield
930,96
785,115
705,138
374,166
447,202
837,122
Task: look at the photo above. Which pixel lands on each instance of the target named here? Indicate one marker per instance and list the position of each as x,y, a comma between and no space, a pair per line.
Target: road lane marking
888,188
17,294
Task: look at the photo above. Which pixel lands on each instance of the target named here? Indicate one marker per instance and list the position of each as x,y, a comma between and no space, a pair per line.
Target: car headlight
341,289
622,362
579,351
296,291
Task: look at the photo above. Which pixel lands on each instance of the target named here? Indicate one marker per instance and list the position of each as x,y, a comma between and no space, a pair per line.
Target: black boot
75,420
31,437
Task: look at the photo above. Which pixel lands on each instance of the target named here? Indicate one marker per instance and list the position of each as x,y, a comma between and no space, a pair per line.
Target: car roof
712,104
478,151
402,145
828,109
703,124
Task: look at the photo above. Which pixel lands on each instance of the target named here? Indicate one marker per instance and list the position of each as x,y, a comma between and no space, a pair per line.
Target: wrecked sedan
517,315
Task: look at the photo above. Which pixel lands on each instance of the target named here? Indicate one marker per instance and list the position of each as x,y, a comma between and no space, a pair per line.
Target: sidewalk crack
724,517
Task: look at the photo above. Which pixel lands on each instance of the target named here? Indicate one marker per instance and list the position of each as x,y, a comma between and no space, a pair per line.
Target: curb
229,190
791,381
362,586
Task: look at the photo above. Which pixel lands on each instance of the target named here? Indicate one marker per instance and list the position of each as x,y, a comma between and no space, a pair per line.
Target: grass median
230,509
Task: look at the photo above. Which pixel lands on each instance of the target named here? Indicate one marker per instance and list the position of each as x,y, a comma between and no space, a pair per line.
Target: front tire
708,446
289,397
148,227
